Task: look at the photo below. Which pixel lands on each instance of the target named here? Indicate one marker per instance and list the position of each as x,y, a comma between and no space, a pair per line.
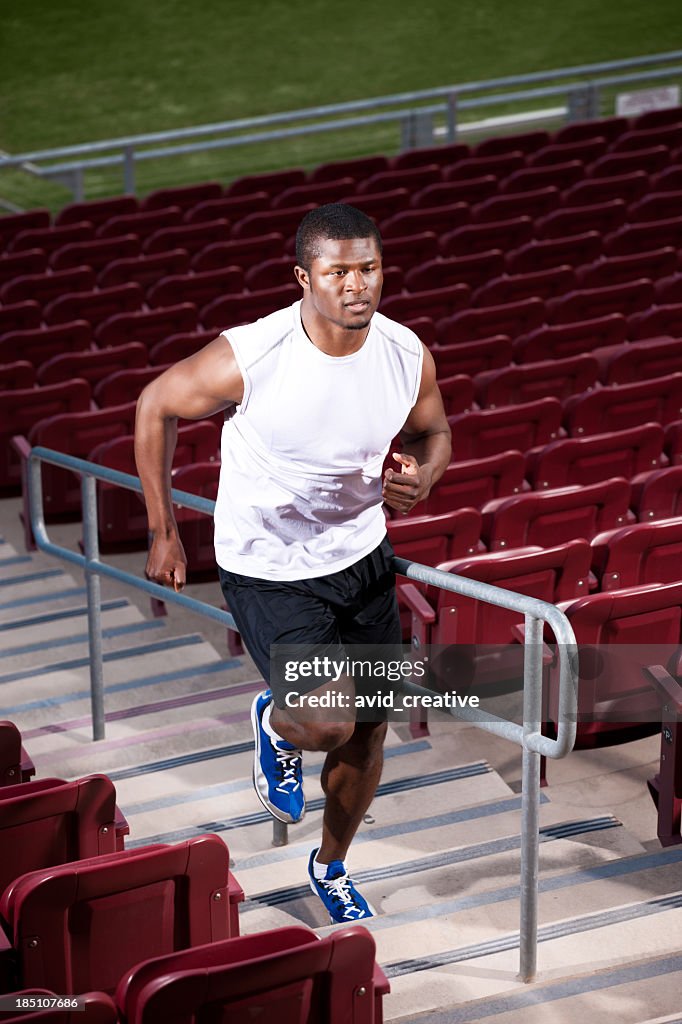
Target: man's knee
312,735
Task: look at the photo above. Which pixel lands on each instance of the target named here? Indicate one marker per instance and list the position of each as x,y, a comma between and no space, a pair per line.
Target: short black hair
333,220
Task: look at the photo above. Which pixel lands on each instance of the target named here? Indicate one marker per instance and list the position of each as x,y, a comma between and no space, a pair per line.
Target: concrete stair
438,853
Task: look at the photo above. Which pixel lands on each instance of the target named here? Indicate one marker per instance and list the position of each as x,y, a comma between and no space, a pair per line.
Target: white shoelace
288,762
340,887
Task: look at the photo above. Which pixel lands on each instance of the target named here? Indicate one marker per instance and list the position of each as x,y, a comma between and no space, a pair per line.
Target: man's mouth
358,307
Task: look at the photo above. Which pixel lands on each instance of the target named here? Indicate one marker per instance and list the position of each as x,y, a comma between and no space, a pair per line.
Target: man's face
344,282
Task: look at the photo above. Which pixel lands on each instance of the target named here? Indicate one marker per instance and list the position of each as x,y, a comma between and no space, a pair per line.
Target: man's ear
302,276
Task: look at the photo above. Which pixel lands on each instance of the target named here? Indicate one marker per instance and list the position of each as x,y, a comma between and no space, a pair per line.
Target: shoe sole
255,723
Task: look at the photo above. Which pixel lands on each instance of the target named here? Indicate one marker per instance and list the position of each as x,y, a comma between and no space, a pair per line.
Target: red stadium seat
669,289
473,356
639,360
470,190
446,153
552,517
511,318
423,327
561,340
12,224
244,307
436,302
196,529
658,495
16,767
638,554
408,250
434,218
557,378
669,180
628,187
379,205
574,461
477,481
192,237
474,270
245,253
123,907
618,269
657,321
143,223
284,221
543,284
270,273
43,288
503,234
124,385
90,365
528,142
609,128
149,327
411,178
590,303
480,433
643,236
276,971
179,346
529,204
22,409
602,217
272,182
499,165
27,261
584,150
656,206
97,211
655,118
434,539
197,288
669,135
357,168
96,254
144,270
673,442
561,176
320,192
94,306
554,252
19,374
650,160
39,345
50,239
457,393
19,316
183,196
657,400
230,208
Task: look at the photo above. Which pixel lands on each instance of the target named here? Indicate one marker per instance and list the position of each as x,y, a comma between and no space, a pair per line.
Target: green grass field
75,72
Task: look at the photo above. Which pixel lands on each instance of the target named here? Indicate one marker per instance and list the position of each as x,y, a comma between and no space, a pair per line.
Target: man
322,388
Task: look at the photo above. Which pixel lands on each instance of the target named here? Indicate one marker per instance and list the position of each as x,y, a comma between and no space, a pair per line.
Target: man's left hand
403,490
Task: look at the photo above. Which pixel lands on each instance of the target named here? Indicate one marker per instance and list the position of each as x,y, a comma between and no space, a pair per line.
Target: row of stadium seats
141,929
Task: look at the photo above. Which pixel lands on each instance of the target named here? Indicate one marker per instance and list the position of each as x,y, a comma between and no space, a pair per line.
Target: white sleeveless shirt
300,479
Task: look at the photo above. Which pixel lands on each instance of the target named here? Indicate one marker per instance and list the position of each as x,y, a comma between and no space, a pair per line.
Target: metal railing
580,87
536,613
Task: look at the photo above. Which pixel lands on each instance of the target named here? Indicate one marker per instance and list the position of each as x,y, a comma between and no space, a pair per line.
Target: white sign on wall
629,104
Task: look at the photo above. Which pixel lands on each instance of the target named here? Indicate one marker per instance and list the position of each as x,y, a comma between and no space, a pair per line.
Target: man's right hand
167,562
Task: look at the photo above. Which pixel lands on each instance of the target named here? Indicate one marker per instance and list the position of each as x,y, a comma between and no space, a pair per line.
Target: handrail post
530,800
129,170
92,580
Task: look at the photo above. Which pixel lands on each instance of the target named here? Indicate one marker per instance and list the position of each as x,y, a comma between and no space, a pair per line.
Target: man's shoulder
265,330
396,333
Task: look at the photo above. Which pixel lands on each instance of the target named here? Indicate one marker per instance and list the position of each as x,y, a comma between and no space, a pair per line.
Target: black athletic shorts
355,607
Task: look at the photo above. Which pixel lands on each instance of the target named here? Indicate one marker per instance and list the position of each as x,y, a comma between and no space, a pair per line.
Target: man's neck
332,339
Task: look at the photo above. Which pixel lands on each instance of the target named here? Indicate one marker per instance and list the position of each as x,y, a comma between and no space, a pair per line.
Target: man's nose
355,281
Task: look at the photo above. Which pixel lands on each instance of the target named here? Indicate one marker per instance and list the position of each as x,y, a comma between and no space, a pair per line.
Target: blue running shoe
342,900
277,770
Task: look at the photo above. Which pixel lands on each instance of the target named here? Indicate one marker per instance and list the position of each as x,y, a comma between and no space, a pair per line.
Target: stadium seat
655,206
433,539
539,254
657,321
655,118
27,261
669,135
41,344
411,178
144,270
143,224
528,204
272,182
244,253
379,205
612,164
270,273
604,217
196,529
472,357
627,187
471,190
480,433
50,239
527,142
585,150
669,180
96,254
542,284
446,153
673,442
526,179
498,165
570,461
639,360
618,269
52,821
184,196
319,192
511,318
19,316
643,236
637,554
504,235
230,208
558,341
43,288
192,237
92,366
436,302
12,224
179,346
658,495
95,306
283,221
433,218
457,392
423,326
554,516
244,307
591,303
657,400
199,288
149,326
123,908
557,378
25,407
16,766
409,250
357,168
97,211
474,482
669,289
273,972
19,374
474,270
609,128
124,385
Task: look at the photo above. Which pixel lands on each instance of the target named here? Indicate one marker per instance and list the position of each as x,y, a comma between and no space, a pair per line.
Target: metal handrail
536,613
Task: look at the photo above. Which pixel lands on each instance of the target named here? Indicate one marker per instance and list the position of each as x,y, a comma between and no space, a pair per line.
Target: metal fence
535,613
580,89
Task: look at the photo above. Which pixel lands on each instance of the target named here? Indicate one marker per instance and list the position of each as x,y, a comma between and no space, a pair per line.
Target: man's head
336,221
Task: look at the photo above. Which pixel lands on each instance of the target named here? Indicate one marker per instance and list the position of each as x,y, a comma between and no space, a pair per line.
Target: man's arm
427,446
194,388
